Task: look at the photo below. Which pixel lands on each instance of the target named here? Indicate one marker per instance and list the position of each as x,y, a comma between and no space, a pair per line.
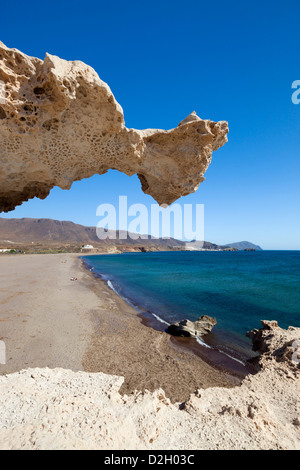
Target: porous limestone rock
272,342
200,327
59,123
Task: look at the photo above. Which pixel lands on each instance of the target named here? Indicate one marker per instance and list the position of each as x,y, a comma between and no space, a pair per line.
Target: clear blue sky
232,60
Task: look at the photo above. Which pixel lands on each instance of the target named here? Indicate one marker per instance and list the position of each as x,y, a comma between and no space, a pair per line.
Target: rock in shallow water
200,327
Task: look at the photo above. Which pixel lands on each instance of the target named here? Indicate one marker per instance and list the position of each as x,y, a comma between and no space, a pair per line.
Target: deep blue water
238,288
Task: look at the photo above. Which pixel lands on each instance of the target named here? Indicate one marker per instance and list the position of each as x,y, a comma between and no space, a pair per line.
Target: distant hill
244,246
41,230
28,231
49,232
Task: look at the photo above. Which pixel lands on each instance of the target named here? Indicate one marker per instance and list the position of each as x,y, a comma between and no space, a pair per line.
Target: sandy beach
47,320
44,318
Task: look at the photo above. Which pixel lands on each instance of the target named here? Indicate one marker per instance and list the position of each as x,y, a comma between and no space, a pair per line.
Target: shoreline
147,358
207,352
230,372
49,321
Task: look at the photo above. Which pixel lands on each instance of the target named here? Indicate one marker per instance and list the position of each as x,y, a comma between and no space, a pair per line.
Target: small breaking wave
231,357
160,319
202,343
110,284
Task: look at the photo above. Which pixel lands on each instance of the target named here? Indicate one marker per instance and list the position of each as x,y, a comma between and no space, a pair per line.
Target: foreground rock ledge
60,409
60,123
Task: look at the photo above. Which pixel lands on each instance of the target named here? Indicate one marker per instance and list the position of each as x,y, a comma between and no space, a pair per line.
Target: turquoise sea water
237,288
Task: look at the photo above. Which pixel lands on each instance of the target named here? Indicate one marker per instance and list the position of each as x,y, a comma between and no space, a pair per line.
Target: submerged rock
200,327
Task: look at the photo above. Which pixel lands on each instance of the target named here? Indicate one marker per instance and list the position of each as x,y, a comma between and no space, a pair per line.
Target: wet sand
47,320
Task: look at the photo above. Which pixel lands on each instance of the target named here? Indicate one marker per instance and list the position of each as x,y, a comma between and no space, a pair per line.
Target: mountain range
49,232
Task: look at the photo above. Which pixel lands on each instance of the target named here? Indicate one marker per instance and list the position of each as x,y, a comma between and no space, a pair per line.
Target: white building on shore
87,248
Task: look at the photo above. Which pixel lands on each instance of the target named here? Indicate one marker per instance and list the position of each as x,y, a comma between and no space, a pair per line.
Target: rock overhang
60,123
